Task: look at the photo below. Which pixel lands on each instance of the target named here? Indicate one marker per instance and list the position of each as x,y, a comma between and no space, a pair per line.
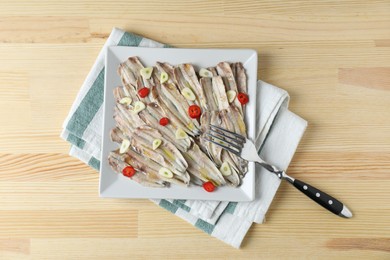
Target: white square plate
114,185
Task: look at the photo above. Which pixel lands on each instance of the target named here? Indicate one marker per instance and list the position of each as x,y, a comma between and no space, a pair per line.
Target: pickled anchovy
208,91
220,93
117,163
225,71
202,167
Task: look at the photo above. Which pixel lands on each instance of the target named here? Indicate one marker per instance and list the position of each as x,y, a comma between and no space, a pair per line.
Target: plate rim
110,53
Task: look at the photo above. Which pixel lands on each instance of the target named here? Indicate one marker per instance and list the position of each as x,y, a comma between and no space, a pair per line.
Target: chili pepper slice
194,111
243,98
209,186
128,171
164,121
143,92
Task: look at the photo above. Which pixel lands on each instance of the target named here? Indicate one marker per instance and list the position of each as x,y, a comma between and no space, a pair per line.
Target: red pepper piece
209,186
143,92
164,121
243,98
128,171
194,111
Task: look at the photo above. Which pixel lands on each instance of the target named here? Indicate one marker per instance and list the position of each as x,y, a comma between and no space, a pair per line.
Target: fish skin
220,93
117,135
202,167
213,71
167,68
168,133
136,65
235,116
204,145
225,71
228,124
216,150
117,163
126,74
181,83
153,155
170,91
150,167
127,120
234,178
228,117
241,78
225,117
213,150
140,85
133,118
125,91
149,134
189,75
123,125
176,119
207,86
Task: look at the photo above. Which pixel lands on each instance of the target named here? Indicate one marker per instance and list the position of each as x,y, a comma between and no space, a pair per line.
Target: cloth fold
279,132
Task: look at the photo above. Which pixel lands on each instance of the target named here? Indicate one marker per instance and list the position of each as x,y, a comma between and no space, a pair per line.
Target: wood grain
366,77
379,244
333,58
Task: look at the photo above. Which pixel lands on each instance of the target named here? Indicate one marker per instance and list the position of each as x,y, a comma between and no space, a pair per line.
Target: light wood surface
333,57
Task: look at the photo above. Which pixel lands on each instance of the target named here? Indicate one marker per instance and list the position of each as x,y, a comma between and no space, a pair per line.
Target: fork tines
226,139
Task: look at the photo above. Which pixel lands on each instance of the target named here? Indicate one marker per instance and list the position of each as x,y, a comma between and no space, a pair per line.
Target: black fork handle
322,198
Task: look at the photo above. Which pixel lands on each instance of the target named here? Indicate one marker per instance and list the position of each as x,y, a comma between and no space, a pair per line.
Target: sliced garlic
124,146
225,169
138,107
188,94
163,77
205,73
180,134
156,143
126,101
165,173
231,95
146,73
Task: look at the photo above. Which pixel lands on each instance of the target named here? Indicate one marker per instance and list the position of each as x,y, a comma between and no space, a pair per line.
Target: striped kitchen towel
279,132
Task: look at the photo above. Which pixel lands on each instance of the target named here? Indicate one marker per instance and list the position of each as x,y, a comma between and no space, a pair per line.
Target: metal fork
244,148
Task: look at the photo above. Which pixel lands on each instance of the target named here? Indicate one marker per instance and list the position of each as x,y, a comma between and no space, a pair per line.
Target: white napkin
280,128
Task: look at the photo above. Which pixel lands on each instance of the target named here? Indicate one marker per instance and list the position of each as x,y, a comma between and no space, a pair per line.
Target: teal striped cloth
227,221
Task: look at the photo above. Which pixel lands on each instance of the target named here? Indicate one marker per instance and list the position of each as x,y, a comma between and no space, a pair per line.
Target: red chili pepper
143,92
128,171
194,111
209,186
243,98
164,121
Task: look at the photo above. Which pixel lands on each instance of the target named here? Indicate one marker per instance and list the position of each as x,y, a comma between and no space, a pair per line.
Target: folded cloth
279,132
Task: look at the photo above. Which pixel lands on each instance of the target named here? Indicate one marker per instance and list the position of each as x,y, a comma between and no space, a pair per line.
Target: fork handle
322,198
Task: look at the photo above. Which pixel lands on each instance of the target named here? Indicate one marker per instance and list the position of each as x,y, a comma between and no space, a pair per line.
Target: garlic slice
188,94
231,95
156,143
165,173
180,134
225,169
138,107
124,146
126,101
146,73
205,73
163,77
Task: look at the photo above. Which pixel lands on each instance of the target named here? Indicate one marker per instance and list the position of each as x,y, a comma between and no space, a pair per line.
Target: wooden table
333,58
